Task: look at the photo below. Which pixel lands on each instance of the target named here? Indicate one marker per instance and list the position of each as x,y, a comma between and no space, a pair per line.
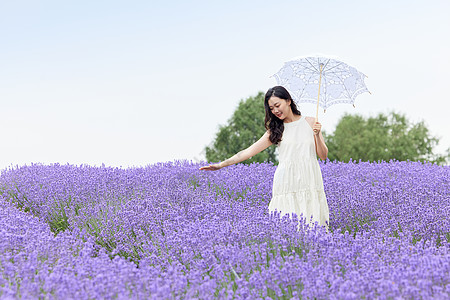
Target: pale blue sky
137,82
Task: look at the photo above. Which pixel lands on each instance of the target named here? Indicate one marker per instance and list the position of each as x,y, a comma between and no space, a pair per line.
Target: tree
245,127
383,137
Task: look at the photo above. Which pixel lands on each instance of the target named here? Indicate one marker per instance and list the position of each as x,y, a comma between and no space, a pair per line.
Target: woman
297,183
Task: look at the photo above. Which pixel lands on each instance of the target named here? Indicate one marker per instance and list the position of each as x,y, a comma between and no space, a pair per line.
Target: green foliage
383,137
58,221
244,128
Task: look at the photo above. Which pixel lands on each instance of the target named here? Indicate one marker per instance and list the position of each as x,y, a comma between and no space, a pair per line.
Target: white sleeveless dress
297,183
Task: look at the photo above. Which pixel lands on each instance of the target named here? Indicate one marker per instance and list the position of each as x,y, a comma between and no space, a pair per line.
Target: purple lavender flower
171,231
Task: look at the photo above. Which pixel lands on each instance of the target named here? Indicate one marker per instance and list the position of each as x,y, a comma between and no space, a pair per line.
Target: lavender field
170,231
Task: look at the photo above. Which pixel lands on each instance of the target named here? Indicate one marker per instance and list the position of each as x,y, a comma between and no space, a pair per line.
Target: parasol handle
318,95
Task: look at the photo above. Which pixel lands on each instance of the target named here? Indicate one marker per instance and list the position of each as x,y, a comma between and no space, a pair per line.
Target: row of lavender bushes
171,231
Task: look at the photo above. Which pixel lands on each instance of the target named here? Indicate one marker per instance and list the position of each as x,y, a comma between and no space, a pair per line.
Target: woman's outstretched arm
254,149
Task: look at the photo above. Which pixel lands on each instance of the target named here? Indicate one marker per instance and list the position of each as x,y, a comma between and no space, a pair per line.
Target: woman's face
279,107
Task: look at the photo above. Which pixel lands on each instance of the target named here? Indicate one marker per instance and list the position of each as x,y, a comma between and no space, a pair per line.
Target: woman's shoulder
310,120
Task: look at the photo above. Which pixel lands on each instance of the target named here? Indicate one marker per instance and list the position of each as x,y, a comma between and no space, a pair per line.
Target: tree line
383,137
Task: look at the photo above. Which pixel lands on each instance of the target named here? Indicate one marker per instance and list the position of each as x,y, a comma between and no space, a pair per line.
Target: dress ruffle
294,176
309,204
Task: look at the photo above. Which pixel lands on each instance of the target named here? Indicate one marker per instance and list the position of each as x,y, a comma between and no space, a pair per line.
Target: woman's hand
316,128
213,167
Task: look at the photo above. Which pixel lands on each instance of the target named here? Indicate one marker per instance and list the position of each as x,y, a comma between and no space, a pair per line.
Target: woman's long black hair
272,123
